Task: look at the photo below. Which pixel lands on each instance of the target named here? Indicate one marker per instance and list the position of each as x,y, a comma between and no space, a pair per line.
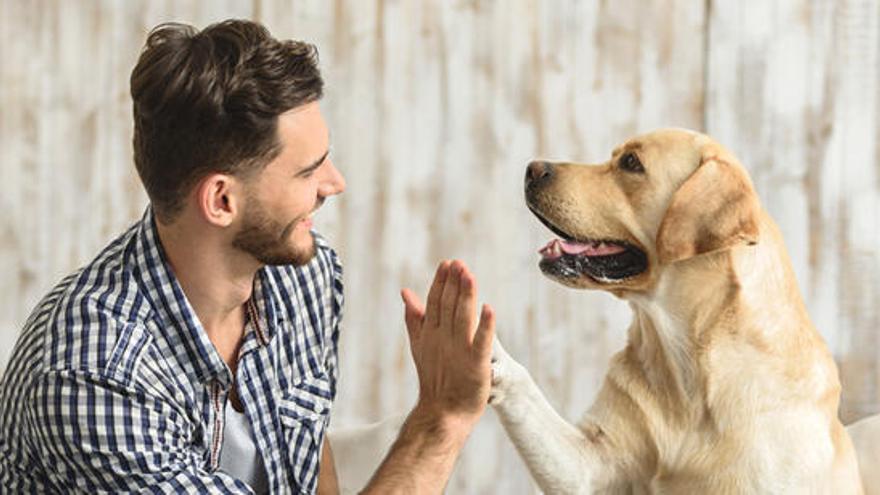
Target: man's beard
268,240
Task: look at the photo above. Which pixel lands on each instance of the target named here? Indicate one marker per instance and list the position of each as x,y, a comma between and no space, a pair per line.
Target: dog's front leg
558,454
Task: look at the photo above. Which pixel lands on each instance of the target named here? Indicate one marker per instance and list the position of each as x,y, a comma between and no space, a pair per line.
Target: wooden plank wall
435,109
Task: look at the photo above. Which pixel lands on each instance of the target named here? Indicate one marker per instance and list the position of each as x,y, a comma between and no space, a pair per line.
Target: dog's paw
507,374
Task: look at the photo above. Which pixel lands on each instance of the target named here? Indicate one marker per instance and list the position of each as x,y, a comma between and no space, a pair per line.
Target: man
197,352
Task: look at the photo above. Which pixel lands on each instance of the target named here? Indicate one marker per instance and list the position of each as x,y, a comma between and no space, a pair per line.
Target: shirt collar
267,317
267,297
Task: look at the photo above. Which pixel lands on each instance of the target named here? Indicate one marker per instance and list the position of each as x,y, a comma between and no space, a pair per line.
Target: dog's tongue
556,247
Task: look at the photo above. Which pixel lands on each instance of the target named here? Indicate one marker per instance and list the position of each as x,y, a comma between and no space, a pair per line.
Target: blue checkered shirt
114,387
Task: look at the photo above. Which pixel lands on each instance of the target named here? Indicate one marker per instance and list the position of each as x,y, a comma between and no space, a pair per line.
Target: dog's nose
538,172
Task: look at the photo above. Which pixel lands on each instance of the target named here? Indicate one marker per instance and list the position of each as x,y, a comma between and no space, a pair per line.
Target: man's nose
334,183
538,172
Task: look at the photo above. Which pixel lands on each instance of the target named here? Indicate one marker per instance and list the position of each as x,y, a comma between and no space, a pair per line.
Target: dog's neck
741,293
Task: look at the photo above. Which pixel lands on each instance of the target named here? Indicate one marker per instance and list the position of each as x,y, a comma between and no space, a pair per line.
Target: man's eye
630,163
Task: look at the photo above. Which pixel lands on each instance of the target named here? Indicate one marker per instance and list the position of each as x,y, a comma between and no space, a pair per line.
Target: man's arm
422,457
328,482
452,355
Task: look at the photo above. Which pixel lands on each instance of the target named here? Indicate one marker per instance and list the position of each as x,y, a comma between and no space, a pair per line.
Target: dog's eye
630,163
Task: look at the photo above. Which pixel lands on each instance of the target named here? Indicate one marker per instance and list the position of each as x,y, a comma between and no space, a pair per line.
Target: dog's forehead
663,139
634,144
673,145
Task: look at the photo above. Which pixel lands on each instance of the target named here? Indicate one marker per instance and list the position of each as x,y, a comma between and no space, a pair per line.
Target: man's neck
216,281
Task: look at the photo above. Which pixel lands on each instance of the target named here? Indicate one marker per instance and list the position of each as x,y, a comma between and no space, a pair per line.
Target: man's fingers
466,307
450,296
413,311
432,310
485,333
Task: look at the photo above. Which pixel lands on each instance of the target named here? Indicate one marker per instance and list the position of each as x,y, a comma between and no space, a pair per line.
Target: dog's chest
779,451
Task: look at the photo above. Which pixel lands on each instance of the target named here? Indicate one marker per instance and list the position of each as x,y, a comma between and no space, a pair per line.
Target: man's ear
217,199
716,208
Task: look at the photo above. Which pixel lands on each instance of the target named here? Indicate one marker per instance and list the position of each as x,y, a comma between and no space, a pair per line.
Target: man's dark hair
208,101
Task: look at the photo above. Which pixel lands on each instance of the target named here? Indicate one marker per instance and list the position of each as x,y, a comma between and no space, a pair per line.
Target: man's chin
298,254
298,258
303,257
304,251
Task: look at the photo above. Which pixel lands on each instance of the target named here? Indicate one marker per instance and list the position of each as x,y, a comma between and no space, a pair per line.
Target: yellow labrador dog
724,385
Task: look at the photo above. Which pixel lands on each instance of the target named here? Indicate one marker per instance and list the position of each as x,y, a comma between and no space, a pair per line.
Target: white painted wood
435,108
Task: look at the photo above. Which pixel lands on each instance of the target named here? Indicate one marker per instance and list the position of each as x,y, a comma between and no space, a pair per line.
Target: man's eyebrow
314,165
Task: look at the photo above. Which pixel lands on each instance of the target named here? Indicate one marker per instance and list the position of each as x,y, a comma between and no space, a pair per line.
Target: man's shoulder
80,321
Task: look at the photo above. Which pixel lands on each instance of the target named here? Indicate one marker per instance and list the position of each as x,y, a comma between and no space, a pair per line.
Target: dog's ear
716,208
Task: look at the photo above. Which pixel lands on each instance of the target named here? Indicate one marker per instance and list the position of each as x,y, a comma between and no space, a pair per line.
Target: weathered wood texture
435,109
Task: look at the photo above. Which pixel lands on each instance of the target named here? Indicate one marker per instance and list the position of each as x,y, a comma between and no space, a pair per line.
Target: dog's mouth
602,260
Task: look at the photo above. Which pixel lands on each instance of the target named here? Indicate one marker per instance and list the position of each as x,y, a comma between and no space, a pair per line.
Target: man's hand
451,351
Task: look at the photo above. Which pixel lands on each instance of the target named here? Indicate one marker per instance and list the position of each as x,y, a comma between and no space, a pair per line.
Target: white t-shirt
239,456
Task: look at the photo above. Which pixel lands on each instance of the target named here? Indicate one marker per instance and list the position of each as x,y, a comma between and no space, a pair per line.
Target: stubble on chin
303,255
259,237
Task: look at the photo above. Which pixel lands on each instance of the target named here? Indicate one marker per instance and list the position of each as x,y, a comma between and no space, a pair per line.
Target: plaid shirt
113,385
